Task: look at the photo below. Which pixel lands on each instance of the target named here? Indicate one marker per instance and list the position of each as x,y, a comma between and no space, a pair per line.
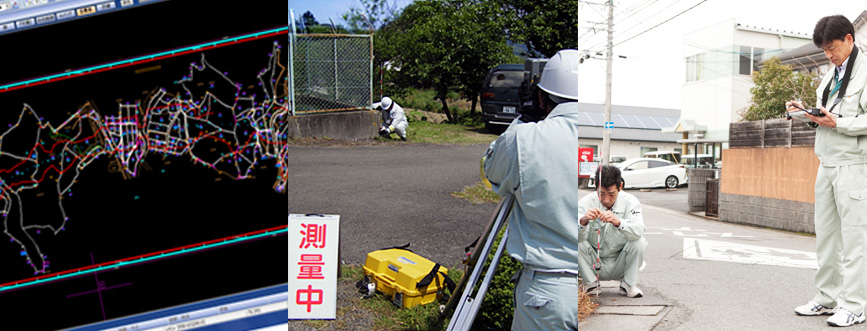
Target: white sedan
649,173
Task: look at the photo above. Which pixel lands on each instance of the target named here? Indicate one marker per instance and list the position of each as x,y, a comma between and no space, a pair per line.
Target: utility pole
606,132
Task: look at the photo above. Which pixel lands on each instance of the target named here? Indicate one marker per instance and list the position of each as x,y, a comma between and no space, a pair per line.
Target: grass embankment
422,130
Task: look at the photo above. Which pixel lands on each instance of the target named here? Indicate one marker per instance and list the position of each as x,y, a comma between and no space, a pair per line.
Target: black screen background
172,202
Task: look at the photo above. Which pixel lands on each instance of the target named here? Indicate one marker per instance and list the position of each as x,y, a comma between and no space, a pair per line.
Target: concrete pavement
709,275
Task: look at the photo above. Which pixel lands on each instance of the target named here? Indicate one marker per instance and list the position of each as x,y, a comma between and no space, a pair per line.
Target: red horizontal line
141,61
56,274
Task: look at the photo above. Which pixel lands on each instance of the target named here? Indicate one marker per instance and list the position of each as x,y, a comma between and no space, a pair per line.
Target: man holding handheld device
841,181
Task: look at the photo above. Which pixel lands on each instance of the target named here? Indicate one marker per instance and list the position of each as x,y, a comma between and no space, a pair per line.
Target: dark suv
500,101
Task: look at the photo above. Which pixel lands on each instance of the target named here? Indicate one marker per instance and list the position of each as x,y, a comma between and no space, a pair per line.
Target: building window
645,150
694,67
749,58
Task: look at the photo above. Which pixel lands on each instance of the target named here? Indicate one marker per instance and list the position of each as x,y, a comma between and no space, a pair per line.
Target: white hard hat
386,103
560,76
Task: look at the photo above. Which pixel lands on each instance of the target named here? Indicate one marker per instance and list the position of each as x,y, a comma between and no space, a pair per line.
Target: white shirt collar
841,69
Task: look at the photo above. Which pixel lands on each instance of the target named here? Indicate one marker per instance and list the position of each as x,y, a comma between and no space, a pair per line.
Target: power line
648,17
663,22
657,25
643,24
636,10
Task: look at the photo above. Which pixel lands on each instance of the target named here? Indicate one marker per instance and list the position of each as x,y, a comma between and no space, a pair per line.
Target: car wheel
671,182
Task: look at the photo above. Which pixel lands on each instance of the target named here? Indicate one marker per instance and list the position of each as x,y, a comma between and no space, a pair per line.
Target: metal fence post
291,60
336,94
370,102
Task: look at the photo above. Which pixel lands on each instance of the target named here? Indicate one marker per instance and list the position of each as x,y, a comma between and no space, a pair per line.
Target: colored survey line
143,59
144,258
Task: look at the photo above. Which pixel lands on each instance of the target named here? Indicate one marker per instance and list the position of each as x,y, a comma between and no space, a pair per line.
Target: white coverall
538,163
397,121
621,248
841,196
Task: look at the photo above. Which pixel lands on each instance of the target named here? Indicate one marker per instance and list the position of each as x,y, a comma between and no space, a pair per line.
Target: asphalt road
394,194
659,197
705,274
391,195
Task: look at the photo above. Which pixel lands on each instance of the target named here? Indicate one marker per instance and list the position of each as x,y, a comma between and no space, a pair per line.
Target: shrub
499,304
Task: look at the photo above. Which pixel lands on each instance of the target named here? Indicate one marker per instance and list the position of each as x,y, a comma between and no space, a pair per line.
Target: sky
323,9
653,71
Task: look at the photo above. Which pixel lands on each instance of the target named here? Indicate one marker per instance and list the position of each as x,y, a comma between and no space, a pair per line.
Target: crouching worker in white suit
612,243
396,121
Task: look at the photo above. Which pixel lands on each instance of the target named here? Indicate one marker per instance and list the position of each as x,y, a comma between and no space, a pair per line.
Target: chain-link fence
330,72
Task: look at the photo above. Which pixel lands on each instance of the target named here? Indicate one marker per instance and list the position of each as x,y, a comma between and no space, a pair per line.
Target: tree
486,47
544,26
376,12
308,19
445,44
775,84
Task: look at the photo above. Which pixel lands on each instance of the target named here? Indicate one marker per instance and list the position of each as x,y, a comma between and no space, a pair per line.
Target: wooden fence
769,175
778,173
771,158
771,133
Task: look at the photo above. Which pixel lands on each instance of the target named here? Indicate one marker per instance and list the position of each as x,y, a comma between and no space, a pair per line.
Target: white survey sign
702,249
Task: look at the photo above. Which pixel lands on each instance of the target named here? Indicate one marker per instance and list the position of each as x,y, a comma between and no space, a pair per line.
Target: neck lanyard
850,65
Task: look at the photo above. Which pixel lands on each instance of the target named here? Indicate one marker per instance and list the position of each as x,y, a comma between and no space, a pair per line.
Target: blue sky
323,9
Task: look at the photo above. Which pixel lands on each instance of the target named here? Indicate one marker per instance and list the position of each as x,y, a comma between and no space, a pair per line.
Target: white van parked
671,156
704,161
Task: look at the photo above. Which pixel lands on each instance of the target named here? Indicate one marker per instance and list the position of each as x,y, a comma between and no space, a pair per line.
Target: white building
637,130
809,58
720,59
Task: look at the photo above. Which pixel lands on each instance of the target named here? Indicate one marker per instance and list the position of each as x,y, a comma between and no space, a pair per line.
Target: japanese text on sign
313,266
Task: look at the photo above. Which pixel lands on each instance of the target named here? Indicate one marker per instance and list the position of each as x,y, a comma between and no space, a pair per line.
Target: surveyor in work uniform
537,162
841,181
396,121
612,235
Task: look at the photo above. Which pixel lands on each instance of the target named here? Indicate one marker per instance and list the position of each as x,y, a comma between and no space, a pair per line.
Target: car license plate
509,109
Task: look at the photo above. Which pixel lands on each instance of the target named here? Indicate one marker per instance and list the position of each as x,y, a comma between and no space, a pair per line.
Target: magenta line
98,290
91,291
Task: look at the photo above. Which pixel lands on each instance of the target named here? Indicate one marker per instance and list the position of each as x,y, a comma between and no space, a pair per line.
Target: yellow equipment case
406,277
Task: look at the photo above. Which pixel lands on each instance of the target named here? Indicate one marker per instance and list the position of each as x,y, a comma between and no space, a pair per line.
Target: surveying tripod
468,304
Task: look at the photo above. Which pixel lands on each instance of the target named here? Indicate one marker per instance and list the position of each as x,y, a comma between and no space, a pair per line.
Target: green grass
419,99
390,317
351,272
446,133
477,194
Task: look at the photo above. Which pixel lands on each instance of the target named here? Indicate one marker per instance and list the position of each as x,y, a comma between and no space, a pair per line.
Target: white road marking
685,232
703,249
680,234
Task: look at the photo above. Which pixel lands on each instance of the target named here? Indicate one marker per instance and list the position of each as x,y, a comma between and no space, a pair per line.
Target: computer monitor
142,164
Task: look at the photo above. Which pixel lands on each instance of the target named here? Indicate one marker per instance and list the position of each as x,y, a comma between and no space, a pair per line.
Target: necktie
836,86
